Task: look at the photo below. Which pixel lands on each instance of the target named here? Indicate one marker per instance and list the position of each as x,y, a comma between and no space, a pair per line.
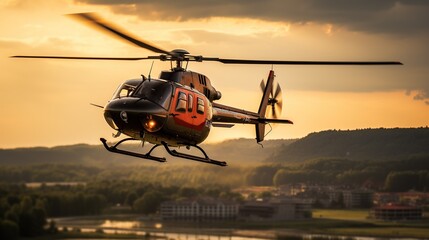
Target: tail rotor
270,108
275,101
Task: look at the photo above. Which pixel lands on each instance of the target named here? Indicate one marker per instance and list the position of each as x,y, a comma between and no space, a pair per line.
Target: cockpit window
124,90
156,91
125,93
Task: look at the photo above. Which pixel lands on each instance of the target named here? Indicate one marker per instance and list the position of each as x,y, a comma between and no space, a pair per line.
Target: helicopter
179,108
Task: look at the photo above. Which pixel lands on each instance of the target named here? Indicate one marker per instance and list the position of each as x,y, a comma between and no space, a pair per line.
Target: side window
181,102
190,103
200,106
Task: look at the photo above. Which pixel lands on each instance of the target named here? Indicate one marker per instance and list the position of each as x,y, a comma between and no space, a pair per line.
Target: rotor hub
179,52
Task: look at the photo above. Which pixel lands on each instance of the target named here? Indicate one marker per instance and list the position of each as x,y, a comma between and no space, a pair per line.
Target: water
159,230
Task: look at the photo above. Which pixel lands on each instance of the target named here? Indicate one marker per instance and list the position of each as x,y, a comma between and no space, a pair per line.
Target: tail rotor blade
278,109
262,85
278,92
272,89
280,104
273,109
277,102
269,112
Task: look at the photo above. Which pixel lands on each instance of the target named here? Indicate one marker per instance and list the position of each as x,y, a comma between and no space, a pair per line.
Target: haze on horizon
46,102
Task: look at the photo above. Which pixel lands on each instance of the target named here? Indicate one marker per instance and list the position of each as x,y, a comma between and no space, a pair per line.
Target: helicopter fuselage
157,110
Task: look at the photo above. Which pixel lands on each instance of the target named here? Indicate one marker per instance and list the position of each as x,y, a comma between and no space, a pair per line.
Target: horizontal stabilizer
272,120
222,125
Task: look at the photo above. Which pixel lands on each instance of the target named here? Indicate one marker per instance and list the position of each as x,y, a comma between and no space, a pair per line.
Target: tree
188,192
402,181
261,176
148,203
9,230
4,206
131,198
39,217
265,195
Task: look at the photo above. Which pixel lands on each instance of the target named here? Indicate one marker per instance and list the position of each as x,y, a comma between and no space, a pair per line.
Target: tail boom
227,114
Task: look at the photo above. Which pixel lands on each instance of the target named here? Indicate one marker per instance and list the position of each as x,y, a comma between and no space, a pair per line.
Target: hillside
234,151
366,144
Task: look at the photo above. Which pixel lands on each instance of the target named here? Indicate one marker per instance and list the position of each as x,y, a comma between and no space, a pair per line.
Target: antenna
150,71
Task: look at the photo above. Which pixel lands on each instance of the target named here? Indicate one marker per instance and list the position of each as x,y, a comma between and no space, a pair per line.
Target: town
293,202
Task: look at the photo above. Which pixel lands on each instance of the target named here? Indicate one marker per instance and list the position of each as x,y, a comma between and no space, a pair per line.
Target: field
371,227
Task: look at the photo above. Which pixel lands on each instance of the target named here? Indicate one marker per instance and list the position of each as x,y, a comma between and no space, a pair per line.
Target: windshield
127,88
155,91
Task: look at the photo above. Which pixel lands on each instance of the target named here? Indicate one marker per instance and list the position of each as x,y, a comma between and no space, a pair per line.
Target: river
170,231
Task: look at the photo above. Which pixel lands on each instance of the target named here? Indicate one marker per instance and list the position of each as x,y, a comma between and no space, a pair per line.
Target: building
402,198
396,212
292,189
276,209
199,209
357,198
253,191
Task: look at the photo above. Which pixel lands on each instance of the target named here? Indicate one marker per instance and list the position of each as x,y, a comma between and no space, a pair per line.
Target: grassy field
358,215
370,227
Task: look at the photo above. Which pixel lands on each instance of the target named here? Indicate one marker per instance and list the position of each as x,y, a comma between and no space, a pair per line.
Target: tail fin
260,127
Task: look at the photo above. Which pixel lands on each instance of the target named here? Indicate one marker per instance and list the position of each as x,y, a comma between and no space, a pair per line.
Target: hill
366,144
234,151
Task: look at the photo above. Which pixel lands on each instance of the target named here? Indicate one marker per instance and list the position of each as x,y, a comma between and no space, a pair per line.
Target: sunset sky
46,102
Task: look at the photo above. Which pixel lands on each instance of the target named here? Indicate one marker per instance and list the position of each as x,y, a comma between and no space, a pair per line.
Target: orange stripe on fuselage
191,120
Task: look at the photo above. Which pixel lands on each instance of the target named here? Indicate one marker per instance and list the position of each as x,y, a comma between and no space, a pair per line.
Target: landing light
150,125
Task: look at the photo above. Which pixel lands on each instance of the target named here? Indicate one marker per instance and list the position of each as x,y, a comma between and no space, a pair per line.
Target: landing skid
129,153
174,153
204,159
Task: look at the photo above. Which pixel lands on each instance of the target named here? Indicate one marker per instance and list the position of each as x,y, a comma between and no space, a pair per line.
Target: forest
365,144
396,175
24,211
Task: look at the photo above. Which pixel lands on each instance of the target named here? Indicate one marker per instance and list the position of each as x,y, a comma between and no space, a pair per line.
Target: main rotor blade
279,62
88,58
93,20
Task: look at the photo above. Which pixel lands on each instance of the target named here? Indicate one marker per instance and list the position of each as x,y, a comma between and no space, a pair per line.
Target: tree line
398,175
21,216
24,211
378,175
363,144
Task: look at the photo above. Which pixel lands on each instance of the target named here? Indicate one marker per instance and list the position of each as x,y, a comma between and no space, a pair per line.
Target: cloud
401,28
366,29
6,44
422,95
381,16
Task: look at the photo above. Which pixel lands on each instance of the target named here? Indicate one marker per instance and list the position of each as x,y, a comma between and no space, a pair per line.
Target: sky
46,102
